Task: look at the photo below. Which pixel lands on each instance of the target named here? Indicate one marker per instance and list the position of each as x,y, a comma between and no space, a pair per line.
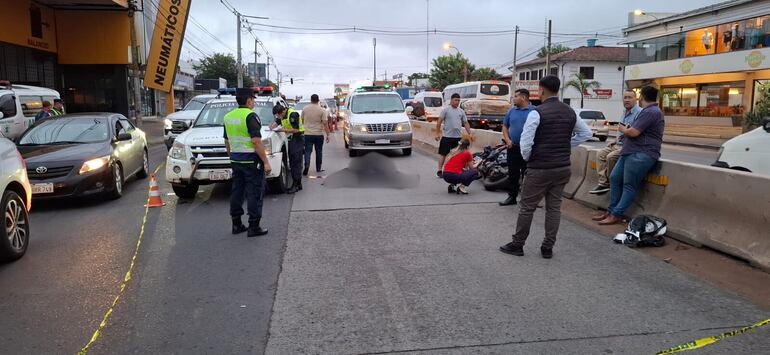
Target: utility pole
135,67
374,77
240,65
548,51
256,66
513,67
427,37
267,69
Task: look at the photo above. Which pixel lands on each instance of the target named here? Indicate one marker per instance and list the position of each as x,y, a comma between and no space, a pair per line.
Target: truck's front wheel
185,191
280,184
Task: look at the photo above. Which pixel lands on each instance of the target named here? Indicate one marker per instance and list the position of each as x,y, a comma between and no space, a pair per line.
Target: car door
137,143
123,149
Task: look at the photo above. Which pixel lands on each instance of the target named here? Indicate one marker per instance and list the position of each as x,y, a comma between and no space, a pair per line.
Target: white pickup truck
198,156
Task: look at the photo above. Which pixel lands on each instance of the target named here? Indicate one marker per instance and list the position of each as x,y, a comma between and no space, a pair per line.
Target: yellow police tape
699,343
124,284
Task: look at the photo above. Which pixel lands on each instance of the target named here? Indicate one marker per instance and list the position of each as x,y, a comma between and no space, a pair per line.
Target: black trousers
296,157
516,169
248,184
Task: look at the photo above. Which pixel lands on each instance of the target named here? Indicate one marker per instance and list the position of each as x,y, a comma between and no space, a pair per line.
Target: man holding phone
608,156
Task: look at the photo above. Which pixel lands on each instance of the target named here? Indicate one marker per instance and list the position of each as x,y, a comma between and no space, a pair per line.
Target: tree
223,66
411,78
554,50
448,70
484,74
582,85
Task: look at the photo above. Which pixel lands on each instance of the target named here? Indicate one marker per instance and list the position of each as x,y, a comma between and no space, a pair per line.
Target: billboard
170,24
341,89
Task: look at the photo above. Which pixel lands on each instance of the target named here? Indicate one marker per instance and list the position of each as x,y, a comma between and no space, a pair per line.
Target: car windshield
377,103
213,114
300,105
331,103
264,110
433,102
74,130
591,115
195,105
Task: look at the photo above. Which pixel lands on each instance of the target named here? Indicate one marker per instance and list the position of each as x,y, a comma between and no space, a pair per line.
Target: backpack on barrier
644,230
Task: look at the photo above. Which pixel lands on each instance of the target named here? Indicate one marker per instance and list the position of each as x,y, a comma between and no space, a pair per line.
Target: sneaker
600,190
439,174
451,189
512,249
462,190
546,253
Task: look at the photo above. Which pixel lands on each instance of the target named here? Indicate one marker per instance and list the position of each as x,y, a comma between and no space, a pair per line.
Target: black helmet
644,230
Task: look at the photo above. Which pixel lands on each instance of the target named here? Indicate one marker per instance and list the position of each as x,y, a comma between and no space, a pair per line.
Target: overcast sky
320,60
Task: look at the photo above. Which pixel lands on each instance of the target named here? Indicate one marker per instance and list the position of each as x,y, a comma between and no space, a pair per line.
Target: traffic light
292,81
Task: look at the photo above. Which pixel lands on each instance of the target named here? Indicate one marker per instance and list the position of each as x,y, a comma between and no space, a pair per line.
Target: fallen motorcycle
493,167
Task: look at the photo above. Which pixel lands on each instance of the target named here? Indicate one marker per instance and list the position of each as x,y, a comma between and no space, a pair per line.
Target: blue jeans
249,184
625,180
318,143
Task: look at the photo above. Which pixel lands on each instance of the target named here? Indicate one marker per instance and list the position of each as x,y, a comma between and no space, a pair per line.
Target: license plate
382,141
219,175
42,188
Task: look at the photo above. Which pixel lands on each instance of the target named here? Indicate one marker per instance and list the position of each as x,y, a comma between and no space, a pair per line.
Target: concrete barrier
578,164
590,180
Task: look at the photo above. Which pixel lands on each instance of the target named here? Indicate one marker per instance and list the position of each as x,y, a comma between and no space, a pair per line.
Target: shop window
756,32
588,72
641,52
700,42
761,90
680,101
709,100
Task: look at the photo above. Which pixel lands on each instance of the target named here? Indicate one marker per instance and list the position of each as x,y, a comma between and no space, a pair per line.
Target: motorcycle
493,167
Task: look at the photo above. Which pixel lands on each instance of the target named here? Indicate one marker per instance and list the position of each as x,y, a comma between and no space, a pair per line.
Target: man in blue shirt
513,125
608,156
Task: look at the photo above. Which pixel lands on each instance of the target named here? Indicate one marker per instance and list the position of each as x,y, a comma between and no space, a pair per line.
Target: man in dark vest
550,132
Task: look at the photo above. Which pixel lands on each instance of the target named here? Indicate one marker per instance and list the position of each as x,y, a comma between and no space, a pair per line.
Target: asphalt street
683,153
352,265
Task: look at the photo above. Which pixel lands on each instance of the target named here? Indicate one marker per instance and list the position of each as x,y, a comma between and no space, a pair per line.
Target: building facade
601,64
711,64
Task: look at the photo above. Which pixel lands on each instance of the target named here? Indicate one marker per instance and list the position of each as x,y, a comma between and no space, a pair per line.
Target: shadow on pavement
373,170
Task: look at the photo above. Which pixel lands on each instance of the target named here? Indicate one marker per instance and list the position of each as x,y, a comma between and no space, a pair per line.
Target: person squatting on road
513,125
608,156
243,141
459,170
640,153
551,130
289,121
316,127
449,130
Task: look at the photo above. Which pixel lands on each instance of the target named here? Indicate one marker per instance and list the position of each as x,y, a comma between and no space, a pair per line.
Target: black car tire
280,184
352,153
145,166
185,191
15,221
493,185
118,182
407,151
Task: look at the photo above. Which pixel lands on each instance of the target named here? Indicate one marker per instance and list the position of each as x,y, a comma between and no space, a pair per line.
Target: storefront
710,72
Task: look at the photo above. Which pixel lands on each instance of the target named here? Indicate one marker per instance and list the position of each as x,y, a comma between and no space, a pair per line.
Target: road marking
699,343
124,284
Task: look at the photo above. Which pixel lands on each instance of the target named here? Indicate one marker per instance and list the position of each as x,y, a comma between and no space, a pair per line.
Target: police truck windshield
213,115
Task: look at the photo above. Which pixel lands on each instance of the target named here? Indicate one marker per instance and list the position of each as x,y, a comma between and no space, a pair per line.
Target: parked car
596,121
18,106
301,105
198,156
748,152
15,201
376,121
180,121
83,154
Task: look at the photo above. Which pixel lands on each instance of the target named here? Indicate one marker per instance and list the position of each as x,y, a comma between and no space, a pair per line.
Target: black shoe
304,172
292,190
512,249
451,188
511,200
599,190
319,170
255,230
546,253
238,226
439,174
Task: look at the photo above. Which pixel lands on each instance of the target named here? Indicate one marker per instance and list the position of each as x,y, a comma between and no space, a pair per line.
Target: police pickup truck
198,155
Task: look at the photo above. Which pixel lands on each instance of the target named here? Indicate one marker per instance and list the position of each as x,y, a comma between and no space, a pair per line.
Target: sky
317,59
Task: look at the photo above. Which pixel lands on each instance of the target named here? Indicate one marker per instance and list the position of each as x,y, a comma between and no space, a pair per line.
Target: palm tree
582,85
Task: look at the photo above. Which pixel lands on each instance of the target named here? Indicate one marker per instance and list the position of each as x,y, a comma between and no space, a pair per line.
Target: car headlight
94,164
167,123
404,127
268,146
359,128
178,151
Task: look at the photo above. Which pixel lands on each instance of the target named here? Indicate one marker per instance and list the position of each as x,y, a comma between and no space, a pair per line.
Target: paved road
348,267
683,153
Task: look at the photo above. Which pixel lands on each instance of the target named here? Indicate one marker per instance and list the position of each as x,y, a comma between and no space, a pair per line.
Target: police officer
290,122
243,141
58,108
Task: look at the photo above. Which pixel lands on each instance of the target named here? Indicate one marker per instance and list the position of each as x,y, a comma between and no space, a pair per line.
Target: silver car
15,202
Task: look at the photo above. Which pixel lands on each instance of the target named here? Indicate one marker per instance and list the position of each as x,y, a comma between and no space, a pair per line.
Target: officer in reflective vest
243,140
290,122
58,108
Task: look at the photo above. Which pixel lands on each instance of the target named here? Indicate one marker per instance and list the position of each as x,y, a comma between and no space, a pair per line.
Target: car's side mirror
177,109
122,137
1,115
765,124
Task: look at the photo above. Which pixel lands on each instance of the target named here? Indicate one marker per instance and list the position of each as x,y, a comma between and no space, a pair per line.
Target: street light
640,12
447,46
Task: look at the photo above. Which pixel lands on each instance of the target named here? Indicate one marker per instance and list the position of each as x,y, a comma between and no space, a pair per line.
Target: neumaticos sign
167,39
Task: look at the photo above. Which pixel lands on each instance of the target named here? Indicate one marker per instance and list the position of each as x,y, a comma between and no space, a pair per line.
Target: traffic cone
155,200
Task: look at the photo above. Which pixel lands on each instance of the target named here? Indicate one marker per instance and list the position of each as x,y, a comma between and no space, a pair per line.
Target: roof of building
687,14
584,54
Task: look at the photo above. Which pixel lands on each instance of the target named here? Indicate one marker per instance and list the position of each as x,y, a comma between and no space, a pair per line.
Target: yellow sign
755,59
167,39
686,66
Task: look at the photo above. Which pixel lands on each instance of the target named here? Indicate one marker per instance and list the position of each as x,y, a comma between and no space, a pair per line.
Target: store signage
167,40
532,85
603,93
737,61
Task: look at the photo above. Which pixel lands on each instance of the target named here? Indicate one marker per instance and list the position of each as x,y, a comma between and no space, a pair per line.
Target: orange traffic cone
155,200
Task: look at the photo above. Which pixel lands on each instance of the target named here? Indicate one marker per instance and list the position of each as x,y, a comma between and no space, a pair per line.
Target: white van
376,121
433,102
18,106
748,152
